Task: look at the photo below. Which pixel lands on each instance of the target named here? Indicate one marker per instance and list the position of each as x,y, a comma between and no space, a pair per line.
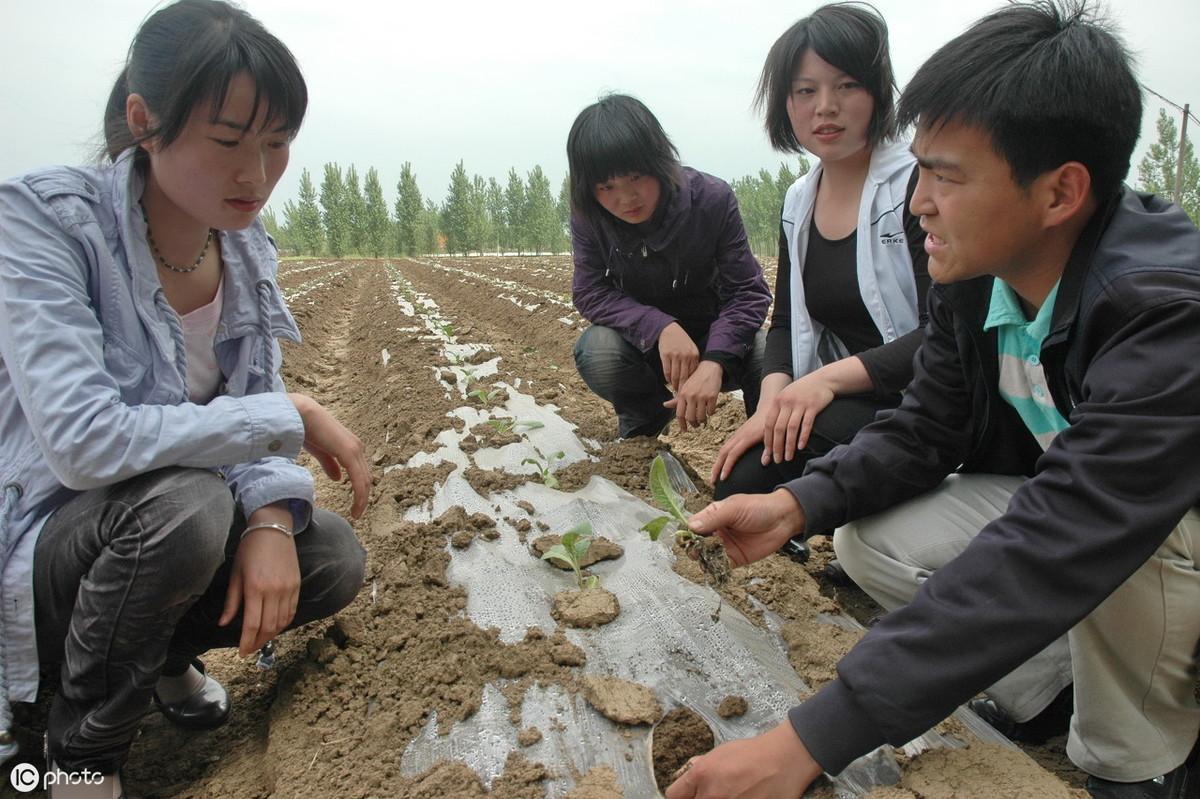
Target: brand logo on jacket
891,238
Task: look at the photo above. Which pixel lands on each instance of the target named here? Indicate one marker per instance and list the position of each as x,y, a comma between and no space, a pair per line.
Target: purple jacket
695,268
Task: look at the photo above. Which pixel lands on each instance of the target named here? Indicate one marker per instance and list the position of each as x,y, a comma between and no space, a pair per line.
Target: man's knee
600,351
853,551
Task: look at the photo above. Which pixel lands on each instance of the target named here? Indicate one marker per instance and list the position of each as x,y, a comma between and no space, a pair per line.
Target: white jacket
885,270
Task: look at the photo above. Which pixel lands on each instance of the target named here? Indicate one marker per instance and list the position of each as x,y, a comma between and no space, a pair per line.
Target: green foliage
479,223
376,223
355,210
1156,172
564,208
544,465
456,211
668,499
302,219
571,549
506,426
409,214
430,234
494,205
485,397
514,213
543,232
334,214
760,199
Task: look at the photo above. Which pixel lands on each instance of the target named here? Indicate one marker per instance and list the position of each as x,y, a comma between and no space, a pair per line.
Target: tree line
346,216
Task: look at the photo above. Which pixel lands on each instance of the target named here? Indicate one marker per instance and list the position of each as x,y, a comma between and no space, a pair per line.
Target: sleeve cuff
834,728
276,427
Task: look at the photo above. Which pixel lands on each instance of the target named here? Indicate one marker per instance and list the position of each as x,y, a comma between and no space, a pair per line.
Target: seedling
447,329
485,397
506,426
570,550
668,499
544,468
707,550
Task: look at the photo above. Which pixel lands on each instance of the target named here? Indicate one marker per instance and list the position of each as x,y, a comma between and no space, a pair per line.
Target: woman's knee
601,354
185,521
333,564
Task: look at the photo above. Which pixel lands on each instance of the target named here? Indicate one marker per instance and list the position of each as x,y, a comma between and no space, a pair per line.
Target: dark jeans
132,577
835,425
634,383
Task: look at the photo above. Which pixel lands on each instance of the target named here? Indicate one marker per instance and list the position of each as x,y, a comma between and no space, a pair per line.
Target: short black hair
1048,81
615,136
186,54
851,36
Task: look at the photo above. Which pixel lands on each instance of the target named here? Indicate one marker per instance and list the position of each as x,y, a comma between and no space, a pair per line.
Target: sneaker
1054,720
1172,785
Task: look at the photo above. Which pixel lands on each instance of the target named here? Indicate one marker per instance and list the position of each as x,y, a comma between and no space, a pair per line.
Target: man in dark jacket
1059,382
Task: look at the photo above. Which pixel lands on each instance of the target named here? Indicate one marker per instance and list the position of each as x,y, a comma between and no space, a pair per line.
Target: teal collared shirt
1022,378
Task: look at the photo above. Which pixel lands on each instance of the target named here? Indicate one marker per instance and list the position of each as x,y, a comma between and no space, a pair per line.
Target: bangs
277,83
606,154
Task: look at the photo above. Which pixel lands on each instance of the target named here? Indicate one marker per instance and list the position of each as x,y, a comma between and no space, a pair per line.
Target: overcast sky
498,84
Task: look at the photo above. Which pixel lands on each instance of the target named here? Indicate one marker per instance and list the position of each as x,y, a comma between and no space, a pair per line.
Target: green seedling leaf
664,494
534,461
655,526
529,424
591,581
549,480
560,553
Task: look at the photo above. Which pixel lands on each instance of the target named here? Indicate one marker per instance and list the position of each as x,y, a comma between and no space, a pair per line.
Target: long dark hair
852,37
186,54
615,136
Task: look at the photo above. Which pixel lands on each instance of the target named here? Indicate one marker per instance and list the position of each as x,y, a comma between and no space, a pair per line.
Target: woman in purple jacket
663,272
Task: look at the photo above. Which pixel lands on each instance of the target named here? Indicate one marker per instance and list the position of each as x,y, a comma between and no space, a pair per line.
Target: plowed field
394,348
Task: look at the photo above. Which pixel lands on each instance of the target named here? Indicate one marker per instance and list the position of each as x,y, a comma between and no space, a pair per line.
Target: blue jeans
634,383
129,581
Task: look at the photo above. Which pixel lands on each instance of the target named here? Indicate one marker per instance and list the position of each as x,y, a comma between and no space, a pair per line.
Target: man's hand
751,526
788,420
679,355
265,582
774,765
697,400
745,437
335,448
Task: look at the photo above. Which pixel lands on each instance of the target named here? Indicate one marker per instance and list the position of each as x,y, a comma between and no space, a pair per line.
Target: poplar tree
564,215
541,215
355,212
377,223
1156,172
495,211
303,218
333,210
479,229
430,236
456,211
514,212
409,210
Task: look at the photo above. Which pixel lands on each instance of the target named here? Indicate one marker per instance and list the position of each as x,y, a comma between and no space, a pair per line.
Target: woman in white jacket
849,293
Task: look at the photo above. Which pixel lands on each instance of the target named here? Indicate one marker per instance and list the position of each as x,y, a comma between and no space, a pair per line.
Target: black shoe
835,573
206,709
1054,720
1172,785
796,549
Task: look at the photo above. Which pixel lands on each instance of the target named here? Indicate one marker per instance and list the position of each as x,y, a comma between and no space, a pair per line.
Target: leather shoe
206,709
1172,785
1054,720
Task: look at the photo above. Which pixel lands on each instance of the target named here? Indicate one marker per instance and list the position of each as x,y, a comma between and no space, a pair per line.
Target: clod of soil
527,506
620,700
681,735
982,769
462,539
591,607
709,551
601,549
529,736
599,783
732,706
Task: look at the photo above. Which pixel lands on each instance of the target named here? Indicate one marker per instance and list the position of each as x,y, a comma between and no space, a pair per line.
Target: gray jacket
93,373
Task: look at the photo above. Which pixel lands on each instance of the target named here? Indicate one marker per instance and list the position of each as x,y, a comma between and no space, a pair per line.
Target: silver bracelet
289,532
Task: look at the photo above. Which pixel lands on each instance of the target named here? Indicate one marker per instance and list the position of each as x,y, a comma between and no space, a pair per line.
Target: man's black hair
851,36
1048,81
615,136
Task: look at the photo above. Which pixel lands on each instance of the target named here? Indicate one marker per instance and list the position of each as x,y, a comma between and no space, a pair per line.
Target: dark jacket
695,268
1122,363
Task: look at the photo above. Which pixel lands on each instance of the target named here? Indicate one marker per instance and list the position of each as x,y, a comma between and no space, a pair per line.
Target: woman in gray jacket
150,504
